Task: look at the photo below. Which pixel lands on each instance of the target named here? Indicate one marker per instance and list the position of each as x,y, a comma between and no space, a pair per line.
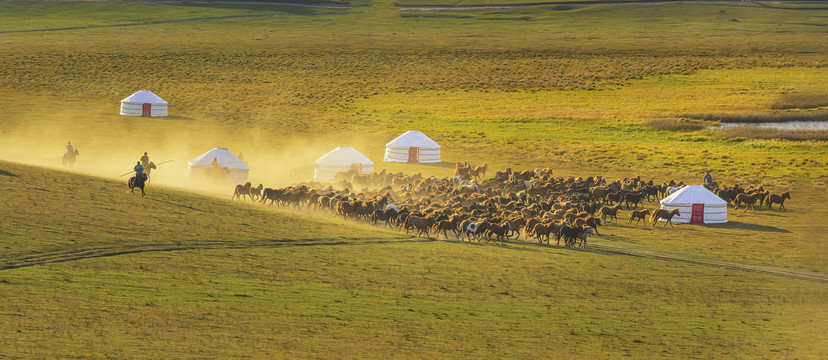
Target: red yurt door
697,217
413,154
146,110
357,167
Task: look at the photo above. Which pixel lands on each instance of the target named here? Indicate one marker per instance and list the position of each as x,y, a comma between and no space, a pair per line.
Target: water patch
789,125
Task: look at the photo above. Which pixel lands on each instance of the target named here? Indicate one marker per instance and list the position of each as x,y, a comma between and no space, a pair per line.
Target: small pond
790,125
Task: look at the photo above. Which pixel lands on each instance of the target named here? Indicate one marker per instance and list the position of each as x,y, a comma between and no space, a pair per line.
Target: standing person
145,160
708,179
139,173
69,148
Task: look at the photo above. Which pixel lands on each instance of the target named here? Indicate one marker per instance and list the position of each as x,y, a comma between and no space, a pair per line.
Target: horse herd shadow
745,226
6,173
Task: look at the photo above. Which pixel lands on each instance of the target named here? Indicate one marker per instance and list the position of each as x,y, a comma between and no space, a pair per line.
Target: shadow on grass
287,7
6,173
174,117
442,164
745,226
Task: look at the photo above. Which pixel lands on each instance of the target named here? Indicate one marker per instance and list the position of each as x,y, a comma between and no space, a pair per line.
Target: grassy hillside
60,215
225,279
564,88
181,273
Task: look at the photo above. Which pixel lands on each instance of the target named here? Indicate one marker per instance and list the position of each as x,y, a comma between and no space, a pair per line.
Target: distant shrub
799,101
757,117
753,132
677,125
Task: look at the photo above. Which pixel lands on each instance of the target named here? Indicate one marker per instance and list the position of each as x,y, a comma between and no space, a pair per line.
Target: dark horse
138,184
69,159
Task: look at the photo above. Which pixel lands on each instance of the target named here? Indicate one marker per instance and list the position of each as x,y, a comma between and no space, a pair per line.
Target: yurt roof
343,155
413,138
693,194
144,96
224,157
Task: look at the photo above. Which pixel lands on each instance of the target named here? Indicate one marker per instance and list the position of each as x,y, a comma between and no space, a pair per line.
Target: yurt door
357,168
146,110
413,154
697,217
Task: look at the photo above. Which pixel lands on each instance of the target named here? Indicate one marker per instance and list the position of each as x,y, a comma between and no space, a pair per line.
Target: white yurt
144,103
218,164
341,159
412,147
696,204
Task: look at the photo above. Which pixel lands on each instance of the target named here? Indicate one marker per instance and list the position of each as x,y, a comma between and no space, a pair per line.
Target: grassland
614,67
195,276
573,88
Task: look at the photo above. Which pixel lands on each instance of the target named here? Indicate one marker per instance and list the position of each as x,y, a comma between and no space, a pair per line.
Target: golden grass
236,280
761,117
799,101
522,88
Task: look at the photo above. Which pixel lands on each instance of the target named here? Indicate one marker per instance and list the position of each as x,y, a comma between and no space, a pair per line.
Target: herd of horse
532,203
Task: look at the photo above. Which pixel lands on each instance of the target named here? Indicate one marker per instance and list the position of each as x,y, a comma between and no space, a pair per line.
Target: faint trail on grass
143,23
772,270
100,252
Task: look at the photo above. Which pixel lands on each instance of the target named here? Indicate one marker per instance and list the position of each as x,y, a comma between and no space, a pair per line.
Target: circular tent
218,164
144,103
341,159
696,204
412,147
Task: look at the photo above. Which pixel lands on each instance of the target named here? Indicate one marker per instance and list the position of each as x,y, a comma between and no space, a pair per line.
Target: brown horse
666,215
749,200
69,159
610,211
445,226
542,230
514,225
638,215
478,171
421,224
242,191
256,192
778,199
499,230
132,183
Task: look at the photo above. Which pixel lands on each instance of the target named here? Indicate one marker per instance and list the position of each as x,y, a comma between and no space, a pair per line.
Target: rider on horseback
139,173
69,148
145,160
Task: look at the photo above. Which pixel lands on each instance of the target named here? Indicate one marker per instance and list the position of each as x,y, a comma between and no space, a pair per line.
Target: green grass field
192,276
186,273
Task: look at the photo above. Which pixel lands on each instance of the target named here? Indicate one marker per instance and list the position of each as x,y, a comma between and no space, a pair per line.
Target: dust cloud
109,146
